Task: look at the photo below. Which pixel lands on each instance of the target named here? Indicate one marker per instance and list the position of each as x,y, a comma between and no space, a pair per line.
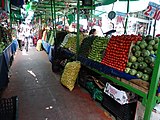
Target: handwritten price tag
153,11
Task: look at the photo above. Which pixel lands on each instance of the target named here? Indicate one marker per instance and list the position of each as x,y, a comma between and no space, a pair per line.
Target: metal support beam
153,87
78,31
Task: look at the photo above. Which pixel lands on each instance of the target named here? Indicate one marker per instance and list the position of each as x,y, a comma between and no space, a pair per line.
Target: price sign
153,11
120,17
74,25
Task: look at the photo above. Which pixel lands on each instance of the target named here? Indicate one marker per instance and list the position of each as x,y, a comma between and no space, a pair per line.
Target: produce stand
6,59
119,77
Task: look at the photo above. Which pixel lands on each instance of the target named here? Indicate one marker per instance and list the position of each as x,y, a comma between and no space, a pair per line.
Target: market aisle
42,97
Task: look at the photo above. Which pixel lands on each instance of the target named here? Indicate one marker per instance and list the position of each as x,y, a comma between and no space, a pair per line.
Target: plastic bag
70,74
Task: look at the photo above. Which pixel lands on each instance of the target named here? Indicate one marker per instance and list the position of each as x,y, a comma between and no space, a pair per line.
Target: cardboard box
120,96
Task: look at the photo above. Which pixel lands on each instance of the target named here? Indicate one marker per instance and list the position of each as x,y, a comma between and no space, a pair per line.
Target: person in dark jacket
92,32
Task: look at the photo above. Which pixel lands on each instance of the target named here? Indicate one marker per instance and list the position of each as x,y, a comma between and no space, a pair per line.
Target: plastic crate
121,112
9,108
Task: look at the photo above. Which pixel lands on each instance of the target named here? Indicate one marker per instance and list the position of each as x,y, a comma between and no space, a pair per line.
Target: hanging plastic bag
70,74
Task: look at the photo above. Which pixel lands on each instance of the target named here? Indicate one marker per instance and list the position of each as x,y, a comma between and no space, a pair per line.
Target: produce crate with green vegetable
98,48
141,60
71,43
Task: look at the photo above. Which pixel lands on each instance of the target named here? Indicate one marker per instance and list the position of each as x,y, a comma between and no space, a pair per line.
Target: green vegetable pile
141,62
98,48
71,43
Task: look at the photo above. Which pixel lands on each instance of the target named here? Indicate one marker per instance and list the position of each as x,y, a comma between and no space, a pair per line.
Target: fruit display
98,48
71,43
141,61
86,46
117,51
5,38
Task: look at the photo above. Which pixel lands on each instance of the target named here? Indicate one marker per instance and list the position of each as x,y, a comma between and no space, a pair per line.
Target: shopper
27,35
92,32
19,38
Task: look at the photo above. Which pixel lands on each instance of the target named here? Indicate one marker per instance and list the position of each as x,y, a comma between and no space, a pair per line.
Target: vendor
92,32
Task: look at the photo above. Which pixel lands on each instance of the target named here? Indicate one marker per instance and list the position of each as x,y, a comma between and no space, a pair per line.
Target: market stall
128,63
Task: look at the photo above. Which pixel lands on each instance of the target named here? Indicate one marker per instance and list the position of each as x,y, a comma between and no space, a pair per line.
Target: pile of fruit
117,51
98,48
141,61
71,43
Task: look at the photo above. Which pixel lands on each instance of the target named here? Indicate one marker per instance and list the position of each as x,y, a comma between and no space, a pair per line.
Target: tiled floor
41,95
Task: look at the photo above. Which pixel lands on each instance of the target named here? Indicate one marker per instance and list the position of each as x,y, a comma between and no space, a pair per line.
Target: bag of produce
70,74
39,45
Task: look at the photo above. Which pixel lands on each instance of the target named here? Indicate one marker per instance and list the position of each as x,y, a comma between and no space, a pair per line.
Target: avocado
129,64
152,42
132,72
145,53
145,77
149,47
149,59
143,44
155,46
135,48
156,39
127,70
132,59
138,42
147,70
142,65
139,74
137,53
140,59
135,65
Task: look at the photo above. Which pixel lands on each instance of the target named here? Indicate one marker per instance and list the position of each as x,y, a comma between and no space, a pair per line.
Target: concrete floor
41,95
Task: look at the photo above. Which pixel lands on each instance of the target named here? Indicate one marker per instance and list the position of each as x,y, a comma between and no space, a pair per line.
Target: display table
5,62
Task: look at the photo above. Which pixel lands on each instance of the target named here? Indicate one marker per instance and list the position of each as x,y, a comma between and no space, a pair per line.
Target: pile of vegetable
98,48
86,46
5,38
71,43
141,61
117,51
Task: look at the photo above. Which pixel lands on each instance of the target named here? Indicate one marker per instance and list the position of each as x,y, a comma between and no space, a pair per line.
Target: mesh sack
70,74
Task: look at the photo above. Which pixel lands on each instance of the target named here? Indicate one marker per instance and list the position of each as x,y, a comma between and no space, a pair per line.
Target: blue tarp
46,46
9,51
5,60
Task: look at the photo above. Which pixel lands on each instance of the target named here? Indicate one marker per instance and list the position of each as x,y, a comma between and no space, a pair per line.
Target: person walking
19,38
27,35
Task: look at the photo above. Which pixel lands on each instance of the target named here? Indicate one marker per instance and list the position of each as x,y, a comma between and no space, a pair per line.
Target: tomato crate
9,108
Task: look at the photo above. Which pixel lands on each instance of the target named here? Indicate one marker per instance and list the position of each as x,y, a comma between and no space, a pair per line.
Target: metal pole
78,31
153,87
154,28
52,13
55,38
10,16
64,21
125,28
